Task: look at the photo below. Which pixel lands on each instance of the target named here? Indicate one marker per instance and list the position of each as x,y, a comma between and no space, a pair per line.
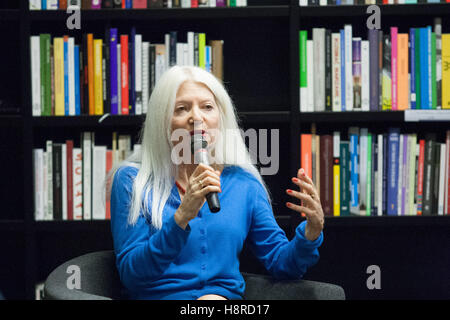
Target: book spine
57,187
59,76
310,74
336,174
412,62
91,72
326,174
441,179
87,167
348,68
138,72
393,154
336,68
374,76
345,178
438,64
303,35
98,82
435,173
428,174
69,177
98,176
201,50
66,75
445,70
38,159
447,179
394,70
402,74
77,83
379,184
145,75
418,67
77,184
124,73
354,170
387,82
343,75
420,174
306,153
47,107
356,72
71,75
433,71
328,71
365,76
113,70
35,75
363,170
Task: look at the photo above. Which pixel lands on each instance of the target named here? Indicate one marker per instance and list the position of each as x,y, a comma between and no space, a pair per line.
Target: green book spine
42,57
344,152
201,49
433,71
417,66
369,175
303,34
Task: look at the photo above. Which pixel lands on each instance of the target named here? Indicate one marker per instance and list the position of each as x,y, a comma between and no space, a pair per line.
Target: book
87,142
303,71
124,74
445,70
373,69
344,162
402,71
326,174
336,70
336,174
392,170
428,173
353,134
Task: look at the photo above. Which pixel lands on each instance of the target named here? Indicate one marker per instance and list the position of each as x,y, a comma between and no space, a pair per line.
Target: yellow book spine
201,50
98,76
337,190
445,71
386,92
58,45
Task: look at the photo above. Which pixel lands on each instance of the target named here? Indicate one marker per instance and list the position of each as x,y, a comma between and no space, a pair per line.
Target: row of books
305,3
131,4
69,180
375,174
115,75
395,71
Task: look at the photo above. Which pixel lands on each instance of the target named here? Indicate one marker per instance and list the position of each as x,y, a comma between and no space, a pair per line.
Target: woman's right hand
203,180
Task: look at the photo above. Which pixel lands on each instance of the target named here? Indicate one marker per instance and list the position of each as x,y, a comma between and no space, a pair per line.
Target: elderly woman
168,244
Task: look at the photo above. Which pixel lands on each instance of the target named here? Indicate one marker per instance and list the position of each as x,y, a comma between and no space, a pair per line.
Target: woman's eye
208,106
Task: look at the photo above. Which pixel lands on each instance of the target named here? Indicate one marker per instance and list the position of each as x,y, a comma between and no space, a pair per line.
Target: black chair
100,281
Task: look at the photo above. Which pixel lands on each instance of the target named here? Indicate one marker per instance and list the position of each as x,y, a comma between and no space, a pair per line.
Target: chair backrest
99,279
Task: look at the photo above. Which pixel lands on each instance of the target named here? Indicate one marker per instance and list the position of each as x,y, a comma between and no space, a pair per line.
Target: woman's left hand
311,207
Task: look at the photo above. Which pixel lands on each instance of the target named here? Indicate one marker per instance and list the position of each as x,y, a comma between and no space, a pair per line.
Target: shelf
10,120
386,221
422,9
352,116
137,120
9,15
12,225
164,13
66,226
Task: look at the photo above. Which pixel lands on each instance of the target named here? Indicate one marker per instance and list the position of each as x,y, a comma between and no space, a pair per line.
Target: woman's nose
196,114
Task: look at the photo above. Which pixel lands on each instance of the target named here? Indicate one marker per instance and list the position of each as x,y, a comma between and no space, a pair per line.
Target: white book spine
52,4
74,3
71,62
119,79
190,38
35,5
87,158
310,74
365,81
336,70
348,68
145,75
447,173
45,185
77,184
64,180
380,176
38,155
35,75
442,180
185,3
363,171
412,172
49,213
319,68
323,2
180,54
167,51
303,3
186,54
98,177
138,72
212,3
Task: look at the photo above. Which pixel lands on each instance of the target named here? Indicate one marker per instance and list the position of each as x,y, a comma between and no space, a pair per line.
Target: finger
301,174
301,209
302,196
210,181
207,173
209,189
304,186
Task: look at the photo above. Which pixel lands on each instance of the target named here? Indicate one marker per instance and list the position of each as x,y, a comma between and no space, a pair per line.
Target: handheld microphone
198,148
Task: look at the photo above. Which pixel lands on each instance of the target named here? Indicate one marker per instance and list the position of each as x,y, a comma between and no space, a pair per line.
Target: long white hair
156,171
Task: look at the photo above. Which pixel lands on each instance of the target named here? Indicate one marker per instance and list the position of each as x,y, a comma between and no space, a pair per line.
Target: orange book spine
306,153
90,38
402,76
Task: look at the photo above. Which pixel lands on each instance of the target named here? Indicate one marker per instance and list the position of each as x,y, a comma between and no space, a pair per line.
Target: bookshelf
268,98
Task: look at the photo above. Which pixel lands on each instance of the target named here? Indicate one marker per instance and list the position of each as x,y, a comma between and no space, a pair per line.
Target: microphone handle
213,202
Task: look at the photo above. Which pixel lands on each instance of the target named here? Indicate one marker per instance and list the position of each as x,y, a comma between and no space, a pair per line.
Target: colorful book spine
336,174
343,102
66,75
58,45
345,178
418,67
433,72
402,72
412,63
124,74
303,34
445,70
394,52
98,82
113,70
77,80
373,65
354,170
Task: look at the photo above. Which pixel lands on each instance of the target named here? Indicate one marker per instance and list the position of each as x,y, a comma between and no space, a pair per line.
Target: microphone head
198,142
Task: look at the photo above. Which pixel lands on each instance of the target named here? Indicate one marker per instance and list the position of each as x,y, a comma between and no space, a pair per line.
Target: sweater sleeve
141,255
284,259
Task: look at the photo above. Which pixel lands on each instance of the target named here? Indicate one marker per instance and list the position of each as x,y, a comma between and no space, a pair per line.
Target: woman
168,244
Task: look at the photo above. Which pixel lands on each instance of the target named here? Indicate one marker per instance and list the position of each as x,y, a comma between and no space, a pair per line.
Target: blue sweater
172,263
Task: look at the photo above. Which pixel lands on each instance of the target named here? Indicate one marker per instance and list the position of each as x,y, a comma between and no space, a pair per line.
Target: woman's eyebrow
188,101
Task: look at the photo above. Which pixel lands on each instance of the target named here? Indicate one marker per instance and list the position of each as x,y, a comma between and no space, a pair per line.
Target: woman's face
196,110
